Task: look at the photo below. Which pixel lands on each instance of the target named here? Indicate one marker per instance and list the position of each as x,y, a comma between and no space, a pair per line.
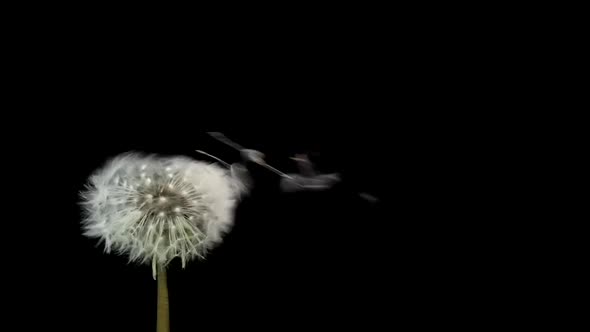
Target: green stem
163,321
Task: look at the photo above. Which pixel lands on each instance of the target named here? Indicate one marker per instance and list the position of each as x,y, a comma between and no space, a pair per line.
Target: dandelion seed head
156,221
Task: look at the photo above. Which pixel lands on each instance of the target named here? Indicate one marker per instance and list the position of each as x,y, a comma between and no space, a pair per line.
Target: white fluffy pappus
155,209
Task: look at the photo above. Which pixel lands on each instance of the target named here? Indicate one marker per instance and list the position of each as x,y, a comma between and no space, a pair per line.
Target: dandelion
178,207
155,209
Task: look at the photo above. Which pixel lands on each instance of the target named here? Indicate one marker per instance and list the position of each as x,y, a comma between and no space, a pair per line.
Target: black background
416,107
391,125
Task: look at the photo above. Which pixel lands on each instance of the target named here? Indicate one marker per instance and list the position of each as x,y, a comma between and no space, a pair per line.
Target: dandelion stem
163,321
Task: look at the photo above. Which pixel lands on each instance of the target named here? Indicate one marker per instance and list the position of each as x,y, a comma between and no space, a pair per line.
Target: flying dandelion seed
179,208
